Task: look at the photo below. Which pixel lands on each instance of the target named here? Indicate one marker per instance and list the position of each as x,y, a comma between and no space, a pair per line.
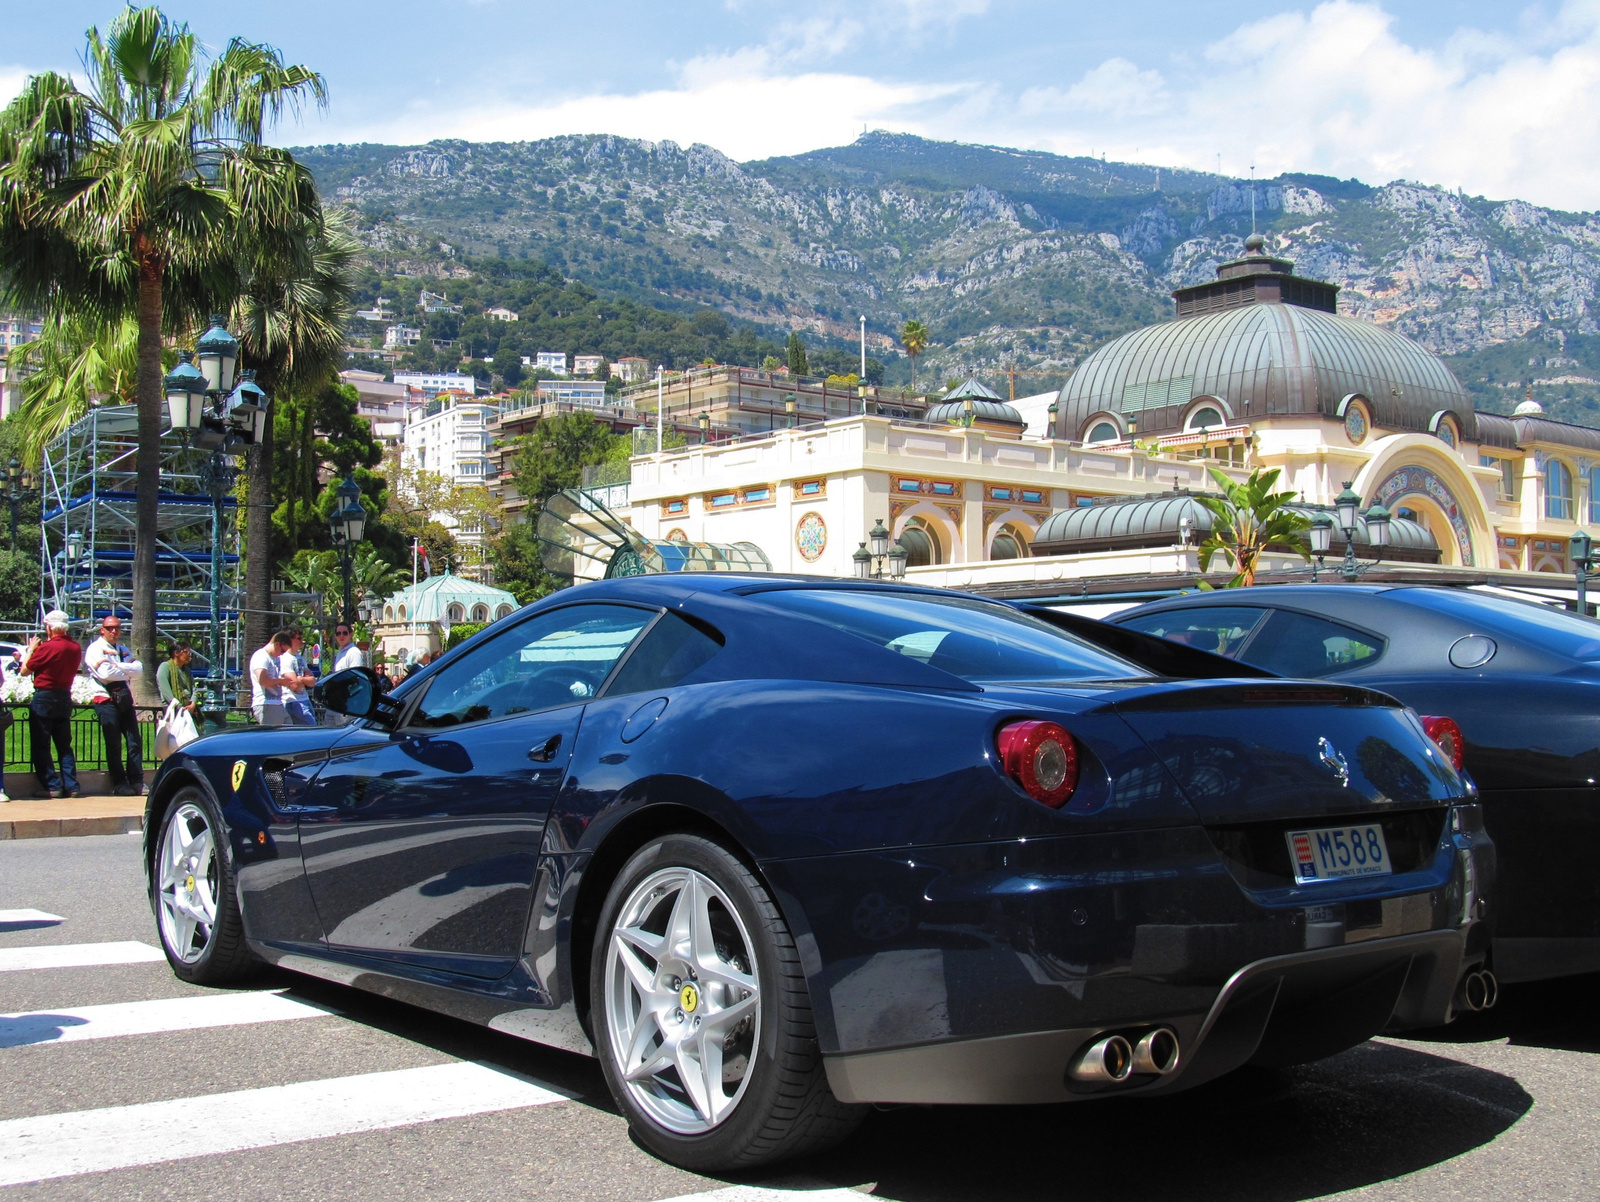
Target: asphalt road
1502,1107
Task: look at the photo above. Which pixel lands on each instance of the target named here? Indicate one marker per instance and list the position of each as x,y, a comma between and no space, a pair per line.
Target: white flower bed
18,690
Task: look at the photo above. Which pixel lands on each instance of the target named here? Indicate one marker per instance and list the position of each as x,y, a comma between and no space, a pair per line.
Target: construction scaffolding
88,523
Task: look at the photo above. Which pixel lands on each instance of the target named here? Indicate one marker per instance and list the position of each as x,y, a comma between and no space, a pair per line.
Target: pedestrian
266,681
53,664
174,682
296,680
112,665
350,655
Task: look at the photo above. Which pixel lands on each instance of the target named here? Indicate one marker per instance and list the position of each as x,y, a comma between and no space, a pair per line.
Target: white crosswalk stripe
119,1137
78,955
72,1024
10,917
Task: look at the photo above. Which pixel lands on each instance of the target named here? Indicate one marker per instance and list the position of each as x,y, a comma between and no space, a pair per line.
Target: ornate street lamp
1053,413
873,564
218,354
1583,560
862,558
879,535
348,524
185,387
19,488
1350,519
788,408
1347,503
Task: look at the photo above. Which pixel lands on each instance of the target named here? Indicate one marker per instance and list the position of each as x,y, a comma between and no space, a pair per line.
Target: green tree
518,569
797,356
914,337
1248,519
134,195
74,361
554,455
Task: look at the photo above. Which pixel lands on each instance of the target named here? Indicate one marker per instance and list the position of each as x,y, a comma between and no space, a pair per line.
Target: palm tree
74,362
914,337
1248,519
133,196
291,316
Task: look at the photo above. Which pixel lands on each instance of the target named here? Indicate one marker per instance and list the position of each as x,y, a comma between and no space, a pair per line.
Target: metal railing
88,741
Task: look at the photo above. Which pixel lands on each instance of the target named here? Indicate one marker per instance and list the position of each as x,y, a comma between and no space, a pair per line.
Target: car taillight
1042,758
1447,734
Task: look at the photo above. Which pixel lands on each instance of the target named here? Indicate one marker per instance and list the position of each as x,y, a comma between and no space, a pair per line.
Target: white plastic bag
164,741
182,729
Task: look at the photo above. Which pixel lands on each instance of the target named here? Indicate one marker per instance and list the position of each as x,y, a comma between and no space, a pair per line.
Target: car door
420,843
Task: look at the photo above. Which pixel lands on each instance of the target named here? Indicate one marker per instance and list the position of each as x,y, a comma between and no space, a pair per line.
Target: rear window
1297,644
1537,625
975,640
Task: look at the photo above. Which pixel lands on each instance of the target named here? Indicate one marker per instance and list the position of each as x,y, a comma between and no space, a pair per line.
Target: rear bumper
1278,1010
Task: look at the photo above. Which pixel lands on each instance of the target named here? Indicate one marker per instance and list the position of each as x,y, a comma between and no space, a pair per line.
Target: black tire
786,1107
222,956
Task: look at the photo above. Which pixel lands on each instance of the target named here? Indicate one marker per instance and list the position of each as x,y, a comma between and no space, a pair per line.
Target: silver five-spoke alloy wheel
683,1000
188,884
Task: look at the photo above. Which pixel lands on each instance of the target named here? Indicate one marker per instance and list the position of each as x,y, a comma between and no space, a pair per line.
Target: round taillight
1447,734
1042,758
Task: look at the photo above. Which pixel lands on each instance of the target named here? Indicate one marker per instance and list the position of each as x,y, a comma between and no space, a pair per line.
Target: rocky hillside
1009,256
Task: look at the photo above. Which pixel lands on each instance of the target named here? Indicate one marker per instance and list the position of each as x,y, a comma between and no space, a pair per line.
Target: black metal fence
88,743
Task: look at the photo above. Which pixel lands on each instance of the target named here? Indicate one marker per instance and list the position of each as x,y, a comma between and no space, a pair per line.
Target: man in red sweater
53,664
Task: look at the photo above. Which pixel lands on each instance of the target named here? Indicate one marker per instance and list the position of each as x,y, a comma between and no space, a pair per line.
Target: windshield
975,640
1538,625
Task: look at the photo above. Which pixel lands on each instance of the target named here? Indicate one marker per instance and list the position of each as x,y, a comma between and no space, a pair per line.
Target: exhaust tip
1480,991
1491,989
1157,1052
1107,1060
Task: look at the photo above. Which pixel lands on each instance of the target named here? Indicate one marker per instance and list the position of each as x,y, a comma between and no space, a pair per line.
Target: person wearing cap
53,664
112,665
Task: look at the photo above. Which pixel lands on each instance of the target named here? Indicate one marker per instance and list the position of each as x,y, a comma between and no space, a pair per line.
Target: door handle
546,751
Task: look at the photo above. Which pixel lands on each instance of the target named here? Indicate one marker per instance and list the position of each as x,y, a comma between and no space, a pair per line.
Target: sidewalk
71,816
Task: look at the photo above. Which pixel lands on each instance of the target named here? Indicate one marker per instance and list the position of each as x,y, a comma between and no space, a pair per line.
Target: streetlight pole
19,487
1350,519
873,564
348,523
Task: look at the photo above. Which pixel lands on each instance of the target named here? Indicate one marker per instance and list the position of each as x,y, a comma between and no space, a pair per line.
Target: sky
1501,99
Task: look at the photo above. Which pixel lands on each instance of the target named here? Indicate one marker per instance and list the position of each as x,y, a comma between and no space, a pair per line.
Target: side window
1220,629
1295,644
556,658
671,654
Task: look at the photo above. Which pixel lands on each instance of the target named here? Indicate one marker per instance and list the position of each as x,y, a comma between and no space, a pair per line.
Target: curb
53,828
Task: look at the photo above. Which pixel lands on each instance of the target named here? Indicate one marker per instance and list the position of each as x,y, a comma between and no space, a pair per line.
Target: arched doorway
921,542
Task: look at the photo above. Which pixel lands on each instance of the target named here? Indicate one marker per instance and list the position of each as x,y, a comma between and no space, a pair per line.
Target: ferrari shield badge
239,767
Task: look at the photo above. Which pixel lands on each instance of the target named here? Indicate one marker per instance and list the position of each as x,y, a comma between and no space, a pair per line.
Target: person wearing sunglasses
113,666
350,655
53,664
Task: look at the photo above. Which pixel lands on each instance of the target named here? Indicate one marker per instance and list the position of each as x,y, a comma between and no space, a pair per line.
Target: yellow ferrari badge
239,767
689,999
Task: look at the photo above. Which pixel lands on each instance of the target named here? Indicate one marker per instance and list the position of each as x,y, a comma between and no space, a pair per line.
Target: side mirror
355,693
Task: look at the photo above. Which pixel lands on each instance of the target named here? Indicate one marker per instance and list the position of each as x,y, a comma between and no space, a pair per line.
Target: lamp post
19,488
1583,560
882,559
1347,505
789,405
220,410
348,523
1052,413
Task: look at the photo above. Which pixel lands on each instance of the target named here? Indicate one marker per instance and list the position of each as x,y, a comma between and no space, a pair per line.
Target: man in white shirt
266,682
113,666
296,680
350,655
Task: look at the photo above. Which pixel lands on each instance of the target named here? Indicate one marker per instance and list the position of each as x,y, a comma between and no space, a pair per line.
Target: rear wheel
701,1014
196,908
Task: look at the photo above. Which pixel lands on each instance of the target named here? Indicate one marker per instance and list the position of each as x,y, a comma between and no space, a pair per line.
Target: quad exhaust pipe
1479,991
1112,1059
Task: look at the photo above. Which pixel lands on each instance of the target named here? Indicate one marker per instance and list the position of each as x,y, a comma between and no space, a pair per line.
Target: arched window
402,613
1104,432
1557,490
1010,543
456,613
388,613
480,613
921,544
1205,417
1594,495
502,612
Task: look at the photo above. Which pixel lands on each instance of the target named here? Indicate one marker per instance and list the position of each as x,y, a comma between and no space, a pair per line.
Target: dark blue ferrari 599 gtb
772,848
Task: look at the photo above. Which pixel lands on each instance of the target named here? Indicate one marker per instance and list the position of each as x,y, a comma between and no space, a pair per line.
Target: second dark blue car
774,848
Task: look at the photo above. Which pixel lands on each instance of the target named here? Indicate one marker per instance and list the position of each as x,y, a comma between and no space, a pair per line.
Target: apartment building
384,405
450,437
399,336
432,383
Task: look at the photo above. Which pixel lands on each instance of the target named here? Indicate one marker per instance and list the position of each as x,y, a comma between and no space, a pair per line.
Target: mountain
1009,256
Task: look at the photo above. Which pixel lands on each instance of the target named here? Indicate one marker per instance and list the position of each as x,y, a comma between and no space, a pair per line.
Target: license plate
1336,852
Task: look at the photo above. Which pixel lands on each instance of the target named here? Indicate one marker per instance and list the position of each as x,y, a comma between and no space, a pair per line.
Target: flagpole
660,376
415,543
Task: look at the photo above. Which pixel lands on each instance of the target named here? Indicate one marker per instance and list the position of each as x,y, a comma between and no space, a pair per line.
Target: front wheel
196,909
701,1015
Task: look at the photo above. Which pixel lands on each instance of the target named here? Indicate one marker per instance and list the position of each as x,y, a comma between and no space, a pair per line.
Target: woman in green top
174,681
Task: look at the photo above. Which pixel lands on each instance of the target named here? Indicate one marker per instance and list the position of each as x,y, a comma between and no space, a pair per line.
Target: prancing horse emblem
1333,761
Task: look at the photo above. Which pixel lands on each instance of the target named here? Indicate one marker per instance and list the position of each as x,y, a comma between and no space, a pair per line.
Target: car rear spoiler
1159,655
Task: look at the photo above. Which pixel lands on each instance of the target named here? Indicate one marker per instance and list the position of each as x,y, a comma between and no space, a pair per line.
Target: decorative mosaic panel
811,537
676,535
1420,481
675,506
810,489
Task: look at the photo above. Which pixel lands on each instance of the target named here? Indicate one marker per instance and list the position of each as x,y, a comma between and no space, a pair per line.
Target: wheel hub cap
186,884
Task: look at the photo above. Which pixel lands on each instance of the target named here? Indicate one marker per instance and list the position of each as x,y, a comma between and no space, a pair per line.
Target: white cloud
741,103
11,81
1336,91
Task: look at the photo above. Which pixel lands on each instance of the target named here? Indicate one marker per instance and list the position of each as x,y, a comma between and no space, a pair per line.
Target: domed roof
1263,360
429,600
982,411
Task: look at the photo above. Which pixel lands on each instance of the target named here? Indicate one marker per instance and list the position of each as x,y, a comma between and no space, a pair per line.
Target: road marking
120,1137
72,1024
77,955
756,1193
8,916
